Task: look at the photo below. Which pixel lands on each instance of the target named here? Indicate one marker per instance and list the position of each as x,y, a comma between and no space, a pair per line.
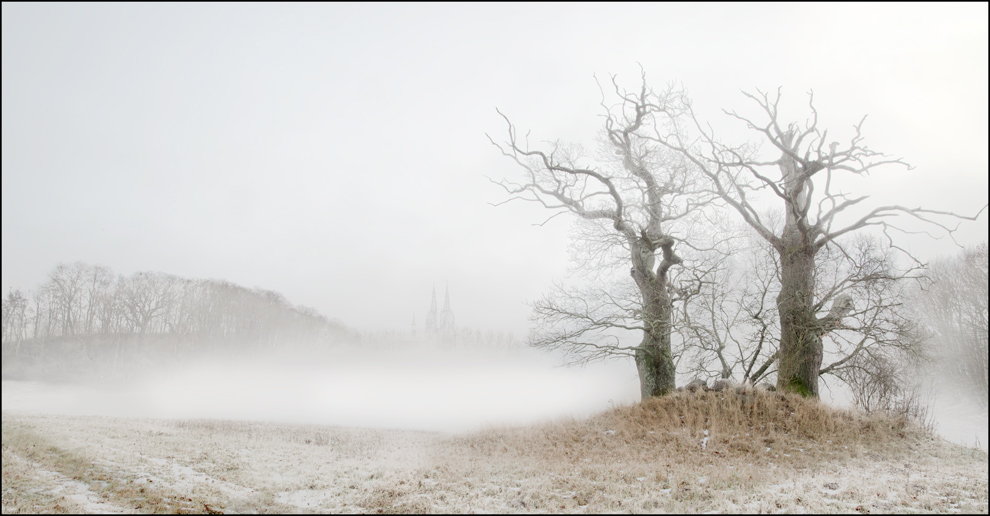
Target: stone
721,385
697,384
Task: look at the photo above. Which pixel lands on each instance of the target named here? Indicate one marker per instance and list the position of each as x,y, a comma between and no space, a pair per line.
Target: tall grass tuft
700,427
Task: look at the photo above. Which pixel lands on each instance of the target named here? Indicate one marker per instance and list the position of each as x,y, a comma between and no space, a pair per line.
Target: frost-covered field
144,465
618,461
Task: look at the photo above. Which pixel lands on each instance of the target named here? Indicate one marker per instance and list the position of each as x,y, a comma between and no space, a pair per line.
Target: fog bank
411,390
450,394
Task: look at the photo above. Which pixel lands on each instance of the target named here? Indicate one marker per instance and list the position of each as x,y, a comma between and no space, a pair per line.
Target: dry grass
703,428
725,452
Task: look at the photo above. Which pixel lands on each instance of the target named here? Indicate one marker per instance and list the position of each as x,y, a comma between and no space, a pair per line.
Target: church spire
431,316
447,316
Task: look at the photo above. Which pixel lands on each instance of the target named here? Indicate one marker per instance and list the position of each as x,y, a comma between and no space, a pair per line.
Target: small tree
640,200
729,326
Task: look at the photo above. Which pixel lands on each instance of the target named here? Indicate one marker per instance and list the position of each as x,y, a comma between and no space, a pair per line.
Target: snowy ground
131,465
404,436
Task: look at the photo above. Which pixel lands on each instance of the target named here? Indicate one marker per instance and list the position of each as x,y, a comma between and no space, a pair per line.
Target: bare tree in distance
68,283
804,183
953,305
15,319
637,198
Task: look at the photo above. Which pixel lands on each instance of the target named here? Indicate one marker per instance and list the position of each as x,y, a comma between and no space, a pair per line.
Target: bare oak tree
804,183
732,329
639,198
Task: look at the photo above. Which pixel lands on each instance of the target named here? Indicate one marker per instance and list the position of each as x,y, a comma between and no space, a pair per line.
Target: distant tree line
953,306
94,311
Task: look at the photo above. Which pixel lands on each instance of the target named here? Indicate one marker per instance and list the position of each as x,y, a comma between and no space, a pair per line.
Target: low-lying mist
959,418
423,391
410,389
957,413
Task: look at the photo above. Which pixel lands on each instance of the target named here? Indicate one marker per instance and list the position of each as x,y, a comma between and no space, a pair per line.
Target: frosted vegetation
749,261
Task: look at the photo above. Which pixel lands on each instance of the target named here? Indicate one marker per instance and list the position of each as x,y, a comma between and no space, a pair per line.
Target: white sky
336,153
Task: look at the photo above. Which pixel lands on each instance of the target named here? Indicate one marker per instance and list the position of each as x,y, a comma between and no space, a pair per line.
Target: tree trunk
800,358
653,358
655,366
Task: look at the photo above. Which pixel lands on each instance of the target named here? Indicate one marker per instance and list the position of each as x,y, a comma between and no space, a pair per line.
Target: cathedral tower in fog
431,316
440,331
442,324
446,324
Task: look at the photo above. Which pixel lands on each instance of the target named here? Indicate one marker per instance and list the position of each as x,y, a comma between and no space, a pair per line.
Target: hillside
86,322
756,452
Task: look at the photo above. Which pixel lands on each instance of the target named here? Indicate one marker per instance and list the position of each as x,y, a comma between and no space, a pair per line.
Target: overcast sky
336,152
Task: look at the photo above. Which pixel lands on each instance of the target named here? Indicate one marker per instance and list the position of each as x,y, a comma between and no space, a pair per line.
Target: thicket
85,320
